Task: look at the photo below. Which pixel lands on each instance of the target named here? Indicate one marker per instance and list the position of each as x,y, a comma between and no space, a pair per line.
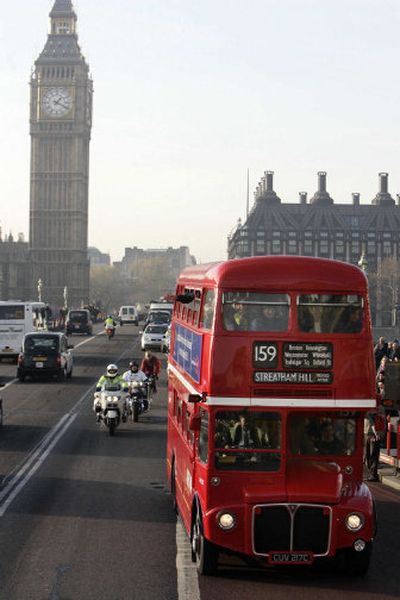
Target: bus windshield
330,313
328,434
12,312
254,311
247,441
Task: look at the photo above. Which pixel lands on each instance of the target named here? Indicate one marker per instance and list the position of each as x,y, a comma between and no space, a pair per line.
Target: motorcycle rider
151,367
111,376
110,323
134,374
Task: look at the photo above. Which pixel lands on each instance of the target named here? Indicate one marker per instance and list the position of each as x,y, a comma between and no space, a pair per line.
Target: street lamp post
363,263
40,289
65,298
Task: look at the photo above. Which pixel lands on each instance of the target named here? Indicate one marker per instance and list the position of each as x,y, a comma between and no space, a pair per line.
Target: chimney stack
269,176
322,181
383,183
303,197
383,198
321,196
356,199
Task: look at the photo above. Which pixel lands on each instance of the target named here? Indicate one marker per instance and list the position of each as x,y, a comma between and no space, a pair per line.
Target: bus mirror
195,422
185,298
194,398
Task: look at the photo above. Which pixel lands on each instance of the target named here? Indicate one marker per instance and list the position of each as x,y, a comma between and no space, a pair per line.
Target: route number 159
265,354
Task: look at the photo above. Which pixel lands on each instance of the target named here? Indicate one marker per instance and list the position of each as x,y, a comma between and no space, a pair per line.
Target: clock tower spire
60,128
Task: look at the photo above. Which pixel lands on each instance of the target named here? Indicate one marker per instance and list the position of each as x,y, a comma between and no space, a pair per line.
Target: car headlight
226,520
354,522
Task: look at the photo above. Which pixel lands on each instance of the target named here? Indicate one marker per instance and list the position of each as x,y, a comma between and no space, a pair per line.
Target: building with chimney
60,128
364,234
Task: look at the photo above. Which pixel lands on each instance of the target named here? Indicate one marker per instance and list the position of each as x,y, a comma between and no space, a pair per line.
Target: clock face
57,102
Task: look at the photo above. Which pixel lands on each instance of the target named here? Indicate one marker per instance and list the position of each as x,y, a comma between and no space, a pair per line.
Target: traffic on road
86,514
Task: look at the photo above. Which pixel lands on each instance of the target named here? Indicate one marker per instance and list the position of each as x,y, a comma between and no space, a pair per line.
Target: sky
189,94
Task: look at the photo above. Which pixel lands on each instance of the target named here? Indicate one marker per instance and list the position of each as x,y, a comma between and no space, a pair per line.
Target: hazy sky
191,93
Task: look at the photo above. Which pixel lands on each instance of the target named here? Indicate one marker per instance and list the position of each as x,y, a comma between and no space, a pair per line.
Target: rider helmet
112,370
133,364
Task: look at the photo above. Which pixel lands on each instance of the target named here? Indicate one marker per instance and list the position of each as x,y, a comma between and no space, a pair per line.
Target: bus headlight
226,520
354,522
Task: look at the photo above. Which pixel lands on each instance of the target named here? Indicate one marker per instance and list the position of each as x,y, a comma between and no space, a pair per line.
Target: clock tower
60,126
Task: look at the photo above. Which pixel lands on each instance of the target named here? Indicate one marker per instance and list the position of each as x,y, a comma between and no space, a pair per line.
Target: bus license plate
290,558
39,365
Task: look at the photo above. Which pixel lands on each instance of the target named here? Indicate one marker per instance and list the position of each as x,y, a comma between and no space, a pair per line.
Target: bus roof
301,273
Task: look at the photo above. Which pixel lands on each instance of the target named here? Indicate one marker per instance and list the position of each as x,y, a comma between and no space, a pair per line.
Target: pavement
389,476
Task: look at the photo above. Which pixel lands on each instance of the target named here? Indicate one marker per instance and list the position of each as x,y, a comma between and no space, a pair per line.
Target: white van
128,314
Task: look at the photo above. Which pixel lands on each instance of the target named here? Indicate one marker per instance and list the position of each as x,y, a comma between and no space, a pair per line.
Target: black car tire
69,374
62,375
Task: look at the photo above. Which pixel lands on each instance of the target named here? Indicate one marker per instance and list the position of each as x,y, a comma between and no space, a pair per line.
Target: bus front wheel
203,551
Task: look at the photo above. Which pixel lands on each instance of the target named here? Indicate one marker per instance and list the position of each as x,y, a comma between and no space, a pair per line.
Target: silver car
153,337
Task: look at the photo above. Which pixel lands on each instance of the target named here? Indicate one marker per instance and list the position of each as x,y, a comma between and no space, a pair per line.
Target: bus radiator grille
291,527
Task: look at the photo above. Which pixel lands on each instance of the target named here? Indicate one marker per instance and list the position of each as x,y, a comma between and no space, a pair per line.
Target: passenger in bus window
246,435
270,318
235,317
350,321
329,442
222,438
305,318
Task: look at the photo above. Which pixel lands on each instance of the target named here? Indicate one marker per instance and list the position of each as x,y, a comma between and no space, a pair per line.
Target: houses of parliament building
363,234
60,129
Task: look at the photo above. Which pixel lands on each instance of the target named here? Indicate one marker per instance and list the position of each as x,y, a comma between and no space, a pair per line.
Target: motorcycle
110,332
110,405
138,400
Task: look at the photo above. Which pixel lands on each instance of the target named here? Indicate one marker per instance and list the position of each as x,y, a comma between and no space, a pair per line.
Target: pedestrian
381,349
374,432
394,353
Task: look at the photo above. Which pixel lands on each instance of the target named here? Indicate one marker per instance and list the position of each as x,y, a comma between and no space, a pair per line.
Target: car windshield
328,434
247,440
330,313
41,343
156,329
253,311
78,316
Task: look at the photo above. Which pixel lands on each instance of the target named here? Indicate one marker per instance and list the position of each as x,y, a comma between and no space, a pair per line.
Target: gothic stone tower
60,126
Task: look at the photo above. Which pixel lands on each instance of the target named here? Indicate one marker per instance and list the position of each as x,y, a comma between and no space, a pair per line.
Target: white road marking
187,577
36,458
14,491
8,384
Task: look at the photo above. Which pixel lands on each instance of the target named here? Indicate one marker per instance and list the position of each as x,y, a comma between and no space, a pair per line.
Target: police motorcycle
137,400
110,405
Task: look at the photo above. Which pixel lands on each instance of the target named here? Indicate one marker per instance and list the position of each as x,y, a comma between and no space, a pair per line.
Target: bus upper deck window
330,313
253,311
207,315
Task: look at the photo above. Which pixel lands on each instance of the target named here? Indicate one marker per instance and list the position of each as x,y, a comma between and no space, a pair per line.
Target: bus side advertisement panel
187,351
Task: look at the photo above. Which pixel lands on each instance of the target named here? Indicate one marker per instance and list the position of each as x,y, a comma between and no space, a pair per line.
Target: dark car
45,354
79,321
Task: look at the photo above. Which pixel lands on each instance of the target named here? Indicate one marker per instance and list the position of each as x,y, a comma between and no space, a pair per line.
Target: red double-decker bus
270,375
